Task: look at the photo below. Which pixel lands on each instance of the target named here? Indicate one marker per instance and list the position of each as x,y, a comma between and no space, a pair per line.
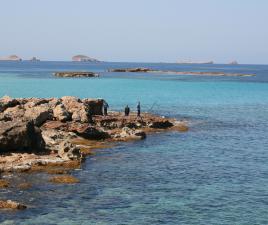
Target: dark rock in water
131,70
76,74
160,124
20,135
8,204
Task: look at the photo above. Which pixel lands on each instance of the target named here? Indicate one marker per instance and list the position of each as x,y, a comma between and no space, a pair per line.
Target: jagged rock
68,151
87,131
57,125
13,113
7,102
128,133
53,138
8,204
20,135
32,102
95,105
61,114
76,107
39,114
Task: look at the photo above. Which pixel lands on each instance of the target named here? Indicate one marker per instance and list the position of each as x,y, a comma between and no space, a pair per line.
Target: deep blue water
217,173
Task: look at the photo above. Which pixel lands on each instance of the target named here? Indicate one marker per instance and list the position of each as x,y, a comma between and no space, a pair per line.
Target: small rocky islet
54,135
197,73
75,74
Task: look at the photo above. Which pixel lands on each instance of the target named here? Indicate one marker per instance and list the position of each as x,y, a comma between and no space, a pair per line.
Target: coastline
55,135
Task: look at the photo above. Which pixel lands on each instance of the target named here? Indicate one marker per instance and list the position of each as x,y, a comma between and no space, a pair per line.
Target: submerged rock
4,183
65,179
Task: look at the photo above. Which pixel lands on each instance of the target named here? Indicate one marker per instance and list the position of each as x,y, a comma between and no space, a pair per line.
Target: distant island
233,62
83,58
194,62
34,59
11,58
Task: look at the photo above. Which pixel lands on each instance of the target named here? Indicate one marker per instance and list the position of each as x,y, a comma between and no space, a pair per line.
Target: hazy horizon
136,31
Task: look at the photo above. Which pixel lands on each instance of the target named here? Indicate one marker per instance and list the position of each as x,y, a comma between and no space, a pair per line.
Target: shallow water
216,173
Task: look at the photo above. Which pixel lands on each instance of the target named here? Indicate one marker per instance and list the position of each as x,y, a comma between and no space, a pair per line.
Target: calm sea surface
217,173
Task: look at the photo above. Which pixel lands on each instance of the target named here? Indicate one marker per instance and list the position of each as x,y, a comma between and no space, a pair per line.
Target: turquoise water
217,173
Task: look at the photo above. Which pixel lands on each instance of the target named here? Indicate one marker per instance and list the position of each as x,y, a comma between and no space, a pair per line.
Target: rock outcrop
131,70
8,204
76,74
21,120
20,135
42,131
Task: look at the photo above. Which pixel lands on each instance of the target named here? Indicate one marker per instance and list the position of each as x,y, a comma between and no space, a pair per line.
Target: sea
216,173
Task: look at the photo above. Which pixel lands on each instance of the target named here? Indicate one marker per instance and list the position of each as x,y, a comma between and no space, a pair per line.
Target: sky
136,30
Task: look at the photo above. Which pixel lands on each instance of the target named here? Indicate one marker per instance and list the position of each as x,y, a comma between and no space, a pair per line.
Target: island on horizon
83,58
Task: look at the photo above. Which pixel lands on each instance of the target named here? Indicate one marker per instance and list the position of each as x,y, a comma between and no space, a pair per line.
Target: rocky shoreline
148,70
54,135
44,132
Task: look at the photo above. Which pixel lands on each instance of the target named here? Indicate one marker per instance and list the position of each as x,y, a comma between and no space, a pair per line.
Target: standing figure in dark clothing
139,109
127,111
90,116
105,108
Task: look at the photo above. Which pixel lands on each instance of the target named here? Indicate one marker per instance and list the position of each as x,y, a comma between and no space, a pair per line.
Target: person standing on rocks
139,109
90,116
127,111
105,108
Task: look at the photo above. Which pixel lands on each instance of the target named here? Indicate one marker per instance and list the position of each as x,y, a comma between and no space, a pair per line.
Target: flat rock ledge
76,74
37,132
196,73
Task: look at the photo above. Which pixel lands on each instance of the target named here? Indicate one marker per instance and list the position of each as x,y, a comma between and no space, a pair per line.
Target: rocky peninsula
76,74
40,132
197,73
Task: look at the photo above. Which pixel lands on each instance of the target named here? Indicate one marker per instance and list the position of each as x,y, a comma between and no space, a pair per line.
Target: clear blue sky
136,30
